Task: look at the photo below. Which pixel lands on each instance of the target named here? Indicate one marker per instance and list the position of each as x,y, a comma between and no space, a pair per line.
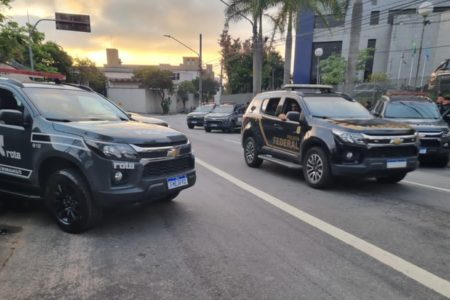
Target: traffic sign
73,22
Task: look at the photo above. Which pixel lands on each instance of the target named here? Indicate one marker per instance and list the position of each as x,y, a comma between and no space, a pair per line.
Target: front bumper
195,121
217,124
373,167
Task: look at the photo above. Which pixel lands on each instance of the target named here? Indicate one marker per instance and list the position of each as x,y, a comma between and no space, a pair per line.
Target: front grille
387,152
185,149
218,123
430,143
167,167
171,143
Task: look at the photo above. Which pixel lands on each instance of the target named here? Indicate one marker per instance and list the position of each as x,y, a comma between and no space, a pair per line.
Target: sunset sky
136,28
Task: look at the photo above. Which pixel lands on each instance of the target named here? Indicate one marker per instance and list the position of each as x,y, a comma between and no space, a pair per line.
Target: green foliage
13,41
332,70
363,57
86,73
184,89
3,3
379,77
209,88
273,69
156,80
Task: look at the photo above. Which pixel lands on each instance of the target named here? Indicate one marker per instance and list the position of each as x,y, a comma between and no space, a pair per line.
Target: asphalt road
243,233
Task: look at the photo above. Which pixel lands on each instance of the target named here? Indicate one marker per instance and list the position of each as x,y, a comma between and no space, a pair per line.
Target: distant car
440,78
225,117
148,120
196,117
423,115
368,93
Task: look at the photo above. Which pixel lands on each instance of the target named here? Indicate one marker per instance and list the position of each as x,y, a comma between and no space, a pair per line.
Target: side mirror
12,117
293,116
302,120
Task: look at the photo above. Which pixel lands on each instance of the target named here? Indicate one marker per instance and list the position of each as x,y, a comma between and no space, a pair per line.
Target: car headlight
113,151
349,137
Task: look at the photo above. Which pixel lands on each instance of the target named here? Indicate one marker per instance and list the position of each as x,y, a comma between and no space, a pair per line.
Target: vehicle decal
14,171
276,144
8,153
123,165
53,139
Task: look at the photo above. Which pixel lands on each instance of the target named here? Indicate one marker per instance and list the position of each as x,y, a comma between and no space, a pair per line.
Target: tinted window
73,105
269,106
412,110
204,108
336,107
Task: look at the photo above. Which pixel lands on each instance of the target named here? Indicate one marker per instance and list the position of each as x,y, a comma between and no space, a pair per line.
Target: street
243,233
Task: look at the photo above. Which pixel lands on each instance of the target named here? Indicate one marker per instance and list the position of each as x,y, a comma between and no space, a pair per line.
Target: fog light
118,176
446,145
349,155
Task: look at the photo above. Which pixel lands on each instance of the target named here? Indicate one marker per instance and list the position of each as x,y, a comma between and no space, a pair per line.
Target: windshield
204,108
336,108
73,105
412,110
223,109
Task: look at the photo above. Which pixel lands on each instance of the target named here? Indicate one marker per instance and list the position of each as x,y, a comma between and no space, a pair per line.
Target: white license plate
396,164
213,125
423,151
194,122
176,182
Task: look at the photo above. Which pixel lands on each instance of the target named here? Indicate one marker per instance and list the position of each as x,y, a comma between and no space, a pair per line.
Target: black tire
232,127
391,179
251,153
170,197
207,129
316,168
190,126
70,203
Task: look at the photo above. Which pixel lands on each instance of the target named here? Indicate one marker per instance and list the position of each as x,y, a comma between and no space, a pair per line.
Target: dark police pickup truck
81,153
331,135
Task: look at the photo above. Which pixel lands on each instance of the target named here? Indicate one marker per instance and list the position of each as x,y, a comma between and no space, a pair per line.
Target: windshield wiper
59,120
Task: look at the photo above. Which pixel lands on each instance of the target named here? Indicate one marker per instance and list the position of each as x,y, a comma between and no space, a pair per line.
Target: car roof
37,84
410,98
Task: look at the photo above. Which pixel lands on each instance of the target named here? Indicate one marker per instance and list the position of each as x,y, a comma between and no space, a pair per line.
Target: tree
287,16
86,73
240,9
272,71
157,80
364,57
13,41
184,89
3,3
210,87
332,70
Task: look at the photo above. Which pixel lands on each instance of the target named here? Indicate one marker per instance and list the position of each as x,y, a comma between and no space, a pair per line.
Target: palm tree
239,9
287,16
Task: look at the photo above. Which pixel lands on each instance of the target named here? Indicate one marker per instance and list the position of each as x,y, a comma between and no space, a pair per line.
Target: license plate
213,125
396,164
240,119
194,122
423,151
177,182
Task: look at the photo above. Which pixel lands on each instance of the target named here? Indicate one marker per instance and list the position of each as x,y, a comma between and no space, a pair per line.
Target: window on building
375,17
175,76
368,70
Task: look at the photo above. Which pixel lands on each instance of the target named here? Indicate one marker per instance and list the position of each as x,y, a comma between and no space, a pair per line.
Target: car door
289,135
15,141
269,120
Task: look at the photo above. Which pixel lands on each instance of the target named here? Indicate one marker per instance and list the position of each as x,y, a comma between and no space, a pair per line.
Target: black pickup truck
332,135
79,153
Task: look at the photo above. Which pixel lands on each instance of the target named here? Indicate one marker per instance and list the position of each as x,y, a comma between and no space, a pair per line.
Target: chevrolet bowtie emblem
174,152
396,141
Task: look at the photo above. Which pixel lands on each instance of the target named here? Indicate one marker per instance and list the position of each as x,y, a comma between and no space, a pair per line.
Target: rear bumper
373,167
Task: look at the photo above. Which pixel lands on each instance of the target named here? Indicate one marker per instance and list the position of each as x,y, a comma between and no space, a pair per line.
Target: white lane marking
232,141
427,186
410,270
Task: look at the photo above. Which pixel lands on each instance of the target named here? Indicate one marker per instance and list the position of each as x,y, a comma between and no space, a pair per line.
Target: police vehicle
423,114
79,153
332,135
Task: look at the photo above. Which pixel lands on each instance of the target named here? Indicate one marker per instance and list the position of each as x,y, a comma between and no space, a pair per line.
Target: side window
9,101
269,106
290,105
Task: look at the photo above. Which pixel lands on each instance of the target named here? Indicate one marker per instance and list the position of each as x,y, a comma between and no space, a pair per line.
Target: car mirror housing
293,116
12,117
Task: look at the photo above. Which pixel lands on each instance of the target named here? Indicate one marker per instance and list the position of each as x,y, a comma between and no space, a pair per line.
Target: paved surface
219,240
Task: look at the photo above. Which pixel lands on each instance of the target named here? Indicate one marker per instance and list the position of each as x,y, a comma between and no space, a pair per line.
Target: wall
132,100
237,98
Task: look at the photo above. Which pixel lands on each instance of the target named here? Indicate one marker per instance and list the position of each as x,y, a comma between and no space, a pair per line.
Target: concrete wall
133,100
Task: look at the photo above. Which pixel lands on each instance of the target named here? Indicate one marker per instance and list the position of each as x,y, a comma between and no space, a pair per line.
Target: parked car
422,114
196,118
440,78
225,117
149,120
332,135
368,93
79,153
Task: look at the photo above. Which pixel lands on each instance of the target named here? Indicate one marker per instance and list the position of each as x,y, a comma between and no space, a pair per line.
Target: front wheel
251,153
70,203
394,178
190,126
207,129
316,168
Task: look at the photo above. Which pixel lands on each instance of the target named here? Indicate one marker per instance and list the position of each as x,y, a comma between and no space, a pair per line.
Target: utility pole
200,83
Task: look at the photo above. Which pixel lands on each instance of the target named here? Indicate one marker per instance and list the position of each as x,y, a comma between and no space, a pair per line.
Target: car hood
424,125
370,126
197,114
135,133
218,115
150,120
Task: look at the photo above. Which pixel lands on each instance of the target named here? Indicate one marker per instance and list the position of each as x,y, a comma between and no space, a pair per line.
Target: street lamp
318,53
199,54
425,9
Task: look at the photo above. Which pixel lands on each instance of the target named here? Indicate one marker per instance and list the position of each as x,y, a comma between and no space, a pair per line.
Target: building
128,93
392,28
